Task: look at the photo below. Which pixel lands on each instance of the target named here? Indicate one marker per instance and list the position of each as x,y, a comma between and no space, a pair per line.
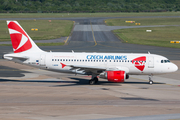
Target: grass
160,36
46,30
62,15
50,44
143,21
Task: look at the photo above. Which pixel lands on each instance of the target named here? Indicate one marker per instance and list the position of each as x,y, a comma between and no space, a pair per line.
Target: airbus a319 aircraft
115,67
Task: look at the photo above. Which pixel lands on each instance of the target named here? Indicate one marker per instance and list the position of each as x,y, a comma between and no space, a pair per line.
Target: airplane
115,67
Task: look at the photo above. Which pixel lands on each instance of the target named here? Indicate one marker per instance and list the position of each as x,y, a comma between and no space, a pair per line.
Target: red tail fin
20,40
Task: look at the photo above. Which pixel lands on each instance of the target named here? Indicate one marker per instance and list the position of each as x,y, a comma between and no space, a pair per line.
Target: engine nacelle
115,76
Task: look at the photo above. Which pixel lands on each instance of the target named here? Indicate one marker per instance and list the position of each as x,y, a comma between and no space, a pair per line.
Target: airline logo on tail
19,38
139,62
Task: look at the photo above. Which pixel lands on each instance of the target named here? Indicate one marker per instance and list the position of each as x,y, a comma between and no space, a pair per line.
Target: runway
87,37
31,93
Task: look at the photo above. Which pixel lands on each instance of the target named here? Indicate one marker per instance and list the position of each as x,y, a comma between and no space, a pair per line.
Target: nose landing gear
150,79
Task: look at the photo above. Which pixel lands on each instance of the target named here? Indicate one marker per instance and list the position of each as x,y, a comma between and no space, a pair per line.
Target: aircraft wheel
92,82
150,82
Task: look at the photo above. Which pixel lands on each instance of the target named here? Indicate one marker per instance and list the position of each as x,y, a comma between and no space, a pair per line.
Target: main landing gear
150,79
93,80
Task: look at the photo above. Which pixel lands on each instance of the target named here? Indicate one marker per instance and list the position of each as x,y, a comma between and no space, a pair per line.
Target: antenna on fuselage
72,51
149,52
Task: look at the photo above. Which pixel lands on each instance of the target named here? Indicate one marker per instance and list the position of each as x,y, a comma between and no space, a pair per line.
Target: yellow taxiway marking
66,40
93,35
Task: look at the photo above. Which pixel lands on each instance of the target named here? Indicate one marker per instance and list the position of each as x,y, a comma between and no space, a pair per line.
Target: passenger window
52,59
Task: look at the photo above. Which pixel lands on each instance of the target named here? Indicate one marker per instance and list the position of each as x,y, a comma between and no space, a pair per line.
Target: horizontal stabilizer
15,56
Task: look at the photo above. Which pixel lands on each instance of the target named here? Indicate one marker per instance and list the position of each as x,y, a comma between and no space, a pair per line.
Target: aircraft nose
174,68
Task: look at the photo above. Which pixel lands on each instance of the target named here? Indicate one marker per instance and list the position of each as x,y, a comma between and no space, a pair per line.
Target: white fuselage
133,64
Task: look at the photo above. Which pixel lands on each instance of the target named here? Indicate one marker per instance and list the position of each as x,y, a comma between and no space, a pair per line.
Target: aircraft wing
88,69
96,69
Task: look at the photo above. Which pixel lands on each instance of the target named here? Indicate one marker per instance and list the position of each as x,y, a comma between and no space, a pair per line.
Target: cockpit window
165,61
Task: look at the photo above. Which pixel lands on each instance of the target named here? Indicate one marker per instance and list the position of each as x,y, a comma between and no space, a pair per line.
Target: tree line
58,6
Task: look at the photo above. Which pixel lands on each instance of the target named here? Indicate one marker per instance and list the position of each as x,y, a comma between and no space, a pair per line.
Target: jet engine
114,76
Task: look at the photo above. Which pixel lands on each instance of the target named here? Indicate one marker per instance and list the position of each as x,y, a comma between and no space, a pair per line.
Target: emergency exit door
150,62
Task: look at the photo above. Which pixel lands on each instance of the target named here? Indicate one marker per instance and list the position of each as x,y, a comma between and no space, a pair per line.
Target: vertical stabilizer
21,41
